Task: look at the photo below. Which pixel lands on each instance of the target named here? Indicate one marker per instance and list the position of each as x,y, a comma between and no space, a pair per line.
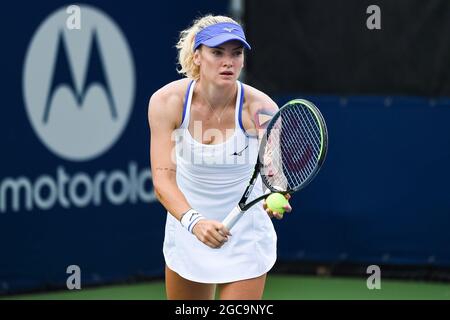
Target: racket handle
233,217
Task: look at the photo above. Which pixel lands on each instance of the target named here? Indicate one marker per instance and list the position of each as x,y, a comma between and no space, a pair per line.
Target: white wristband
190,219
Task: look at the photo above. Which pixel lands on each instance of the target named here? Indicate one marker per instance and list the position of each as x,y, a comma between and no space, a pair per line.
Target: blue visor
216,34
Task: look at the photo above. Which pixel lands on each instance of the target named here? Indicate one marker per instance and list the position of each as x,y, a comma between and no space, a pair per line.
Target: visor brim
225,37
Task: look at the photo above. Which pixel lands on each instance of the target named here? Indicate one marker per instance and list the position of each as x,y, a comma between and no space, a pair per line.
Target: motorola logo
79,85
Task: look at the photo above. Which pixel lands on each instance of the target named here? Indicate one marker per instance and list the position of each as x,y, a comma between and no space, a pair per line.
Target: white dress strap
187,105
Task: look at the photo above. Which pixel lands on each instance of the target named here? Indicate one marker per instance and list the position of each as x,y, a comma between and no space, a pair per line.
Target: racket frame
243,205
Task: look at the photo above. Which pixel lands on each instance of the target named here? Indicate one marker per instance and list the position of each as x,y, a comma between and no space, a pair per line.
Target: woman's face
222,64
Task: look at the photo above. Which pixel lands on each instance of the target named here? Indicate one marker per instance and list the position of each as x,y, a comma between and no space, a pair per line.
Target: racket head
294,147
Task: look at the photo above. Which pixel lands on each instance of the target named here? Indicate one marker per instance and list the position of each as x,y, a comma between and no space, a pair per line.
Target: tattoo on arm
262,117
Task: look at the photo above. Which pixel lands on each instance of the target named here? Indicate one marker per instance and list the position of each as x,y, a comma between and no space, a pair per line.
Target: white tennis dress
213,178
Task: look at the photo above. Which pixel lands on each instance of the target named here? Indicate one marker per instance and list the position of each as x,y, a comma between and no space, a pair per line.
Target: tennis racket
291,153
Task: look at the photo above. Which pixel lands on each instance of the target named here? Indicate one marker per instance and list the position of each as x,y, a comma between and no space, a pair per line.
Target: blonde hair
186,43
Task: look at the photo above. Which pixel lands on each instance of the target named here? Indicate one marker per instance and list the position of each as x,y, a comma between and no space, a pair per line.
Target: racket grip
233,217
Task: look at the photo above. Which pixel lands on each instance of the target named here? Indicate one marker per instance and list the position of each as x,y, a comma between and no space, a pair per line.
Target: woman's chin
226,80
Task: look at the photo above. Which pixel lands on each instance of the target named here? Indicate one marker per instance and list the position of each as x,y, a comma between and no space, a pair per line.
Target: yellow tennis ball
276,202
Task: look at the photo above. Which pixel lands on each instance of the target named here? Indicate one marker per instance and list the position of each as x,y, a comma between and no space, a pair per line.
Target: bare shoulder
258,102
258,109
166,104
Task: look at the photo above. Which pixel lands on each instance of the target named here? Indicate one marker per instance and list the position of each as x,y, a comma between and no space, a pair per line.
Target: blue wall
382,195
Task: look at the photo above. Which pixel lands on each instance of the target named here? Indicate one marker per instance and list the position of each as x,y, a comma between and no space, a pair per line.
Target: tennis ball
276,202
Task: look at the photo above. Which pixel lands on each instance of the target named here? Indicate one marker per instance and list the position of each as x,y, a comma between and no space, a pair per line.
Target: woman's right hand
212,233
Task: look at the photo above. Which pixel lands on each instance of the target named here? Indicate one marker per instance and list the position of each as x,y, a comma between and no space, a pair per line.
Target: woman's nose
228,62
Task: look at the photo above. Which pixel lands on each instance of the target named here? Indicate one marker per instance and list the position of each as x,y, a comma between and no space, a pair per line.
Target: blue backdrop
382,195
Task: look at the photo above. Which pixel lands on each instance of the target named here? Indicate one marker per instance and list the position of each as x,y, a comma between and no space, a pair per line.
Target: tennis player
205,130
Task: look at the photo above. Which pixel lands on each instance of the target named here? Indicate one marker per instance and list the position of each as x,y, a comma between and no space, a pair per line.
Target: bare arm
260,112
164,117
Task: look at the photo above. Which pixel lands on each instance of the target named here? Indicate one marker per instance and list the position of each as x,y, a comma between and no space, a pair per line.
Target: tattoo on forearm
165,169
158,195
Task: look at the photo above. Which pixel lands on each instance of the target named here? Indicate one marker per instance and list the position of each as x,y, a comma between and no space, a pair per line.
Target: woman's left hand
278,215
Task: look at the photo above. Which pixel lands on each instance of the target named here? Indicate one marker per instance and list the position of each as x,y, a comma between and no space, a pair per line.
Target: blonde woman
204,144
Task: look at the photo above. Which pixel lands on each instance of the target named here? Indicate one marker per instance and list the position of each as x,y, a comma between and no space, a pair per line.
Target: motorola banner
78,88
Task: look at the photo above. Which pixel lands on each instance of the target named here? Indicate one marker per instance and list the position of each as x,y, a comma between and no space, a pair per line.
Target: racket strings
273,159
302,151
305,146
293,148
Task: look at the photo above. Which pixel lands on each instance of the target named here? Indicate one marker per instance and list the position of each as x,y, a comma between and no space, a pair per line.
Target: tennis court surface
278,287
